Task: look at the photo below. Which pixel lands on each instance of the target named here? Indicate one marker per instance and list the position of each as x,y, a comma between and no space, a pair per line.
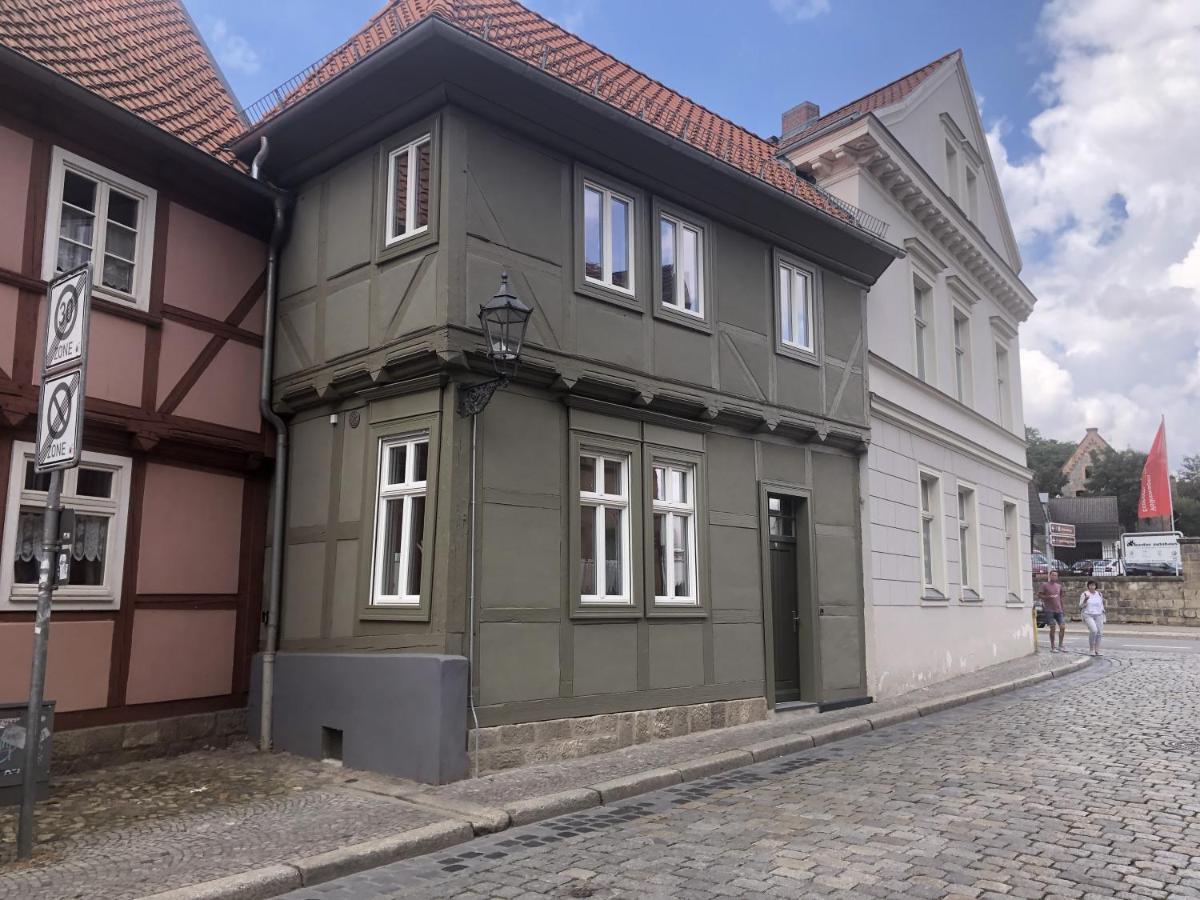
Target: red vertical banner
1155,498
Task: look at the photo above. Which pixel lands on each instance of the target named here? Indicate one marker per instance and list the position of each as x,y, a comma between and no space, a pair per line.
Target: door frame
813,650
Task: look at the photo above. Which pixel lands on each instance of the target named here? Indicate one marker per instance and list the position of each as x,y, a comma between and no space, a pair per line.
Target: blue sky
748,61
1087,104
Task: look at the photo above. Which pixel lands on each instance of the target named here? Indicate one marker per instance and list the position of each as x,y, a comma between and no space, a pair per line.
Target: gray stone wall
81,749
510,746
1148,601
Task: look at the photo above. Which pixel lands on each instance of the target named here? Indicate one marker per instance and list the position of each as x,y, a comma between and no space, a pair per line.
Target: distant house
1078,468
1097,526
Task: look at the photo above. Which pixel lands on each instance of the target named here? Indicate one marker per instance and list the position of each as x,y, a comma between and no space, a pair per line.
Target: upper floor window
674,533
951,171
1003,389
972,191
400,521
681,254
922,309
98,216
796,307
98,491
608,238
604,529
408,189
962,357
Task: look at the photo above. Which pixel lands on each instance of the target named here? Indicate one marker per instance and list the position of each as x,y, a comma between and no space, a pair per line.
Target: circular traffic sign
58,415
68,308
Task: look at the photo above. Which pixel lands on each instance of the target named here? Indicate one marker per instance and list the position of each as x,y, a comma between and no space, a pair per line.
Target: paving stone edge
273,880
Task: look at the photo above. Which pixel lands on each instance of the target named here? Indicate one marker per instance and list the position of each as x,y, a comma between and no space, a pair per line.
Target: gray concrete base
402,714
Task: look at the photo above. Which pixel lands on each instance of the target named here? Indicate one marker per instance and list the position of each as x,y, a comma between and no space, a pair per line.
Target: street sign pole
59,446
41,644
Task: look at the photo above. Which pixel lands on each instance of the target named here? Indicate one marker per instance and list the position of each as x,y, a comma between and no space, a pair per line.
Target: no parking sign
60,409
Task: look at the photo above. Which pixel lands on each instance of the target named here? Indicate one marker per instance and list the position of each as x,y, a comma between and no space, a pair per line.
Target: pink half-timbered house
113,119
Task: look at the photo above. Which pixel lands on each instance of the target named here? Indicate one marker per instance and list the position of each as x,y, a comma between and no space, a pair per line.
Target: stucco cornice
871,148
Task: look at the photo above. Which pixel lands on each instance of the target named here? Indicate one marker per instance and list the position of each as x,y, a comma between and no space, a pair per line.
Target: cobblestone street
1081,787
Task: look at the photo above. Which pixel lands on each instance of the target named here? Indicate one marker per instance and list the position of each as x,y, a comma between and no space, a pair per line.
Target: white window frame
963,380
788,317
62,161
672,509
971,188
676,303
594,503
935,589
72,596
1003,386
413,186
1011,531
924,357
968,540
607,195
406,491
951,170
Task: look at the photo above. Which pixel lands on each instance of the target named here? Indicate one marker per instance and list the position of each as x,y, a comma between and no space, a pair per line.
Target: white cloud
1108,210
233,52
800,10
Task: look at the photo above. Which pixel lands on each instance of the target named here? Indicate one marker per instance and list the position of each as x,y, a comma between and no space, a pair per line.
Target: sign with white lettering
60,422
67,320
1061,534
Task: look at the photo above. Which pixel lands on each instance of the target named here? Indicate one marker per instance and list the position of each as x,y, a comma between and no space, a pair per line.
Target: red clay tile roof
143,55
539,42
890,93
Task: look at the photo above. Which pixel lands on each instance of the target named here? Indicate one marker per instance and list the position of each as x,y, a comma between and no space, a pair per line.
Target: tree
1046,457
1187,497
1118,473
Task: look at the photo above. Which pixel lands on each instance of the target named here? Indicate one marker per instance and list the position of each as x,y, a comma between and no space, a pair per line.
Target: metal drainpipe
279,489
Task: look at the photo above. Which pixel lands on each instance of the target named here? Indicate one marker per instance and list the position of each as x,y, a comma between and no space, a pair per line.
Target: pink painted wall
16,153
180,347
8,325
209,265
191,532
76,665
116,350
181,653
227,392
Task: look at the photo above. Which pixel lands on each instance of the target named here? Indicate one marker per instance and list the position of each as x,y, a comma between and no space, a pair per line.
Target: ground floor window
931,536
400,521
98,491
968,543
604,534
674,534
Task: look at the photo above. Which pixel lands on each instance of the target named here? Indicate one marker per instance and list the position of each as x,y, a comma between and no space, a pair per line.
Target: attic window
408,190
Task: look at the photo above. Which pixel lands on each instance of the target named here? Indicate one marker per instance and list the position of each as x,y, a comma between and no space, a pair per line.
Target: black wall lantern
504,319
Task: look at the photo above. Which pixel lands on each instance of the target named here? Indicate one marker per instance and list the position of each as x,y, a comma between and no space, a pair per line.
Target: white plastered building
949,585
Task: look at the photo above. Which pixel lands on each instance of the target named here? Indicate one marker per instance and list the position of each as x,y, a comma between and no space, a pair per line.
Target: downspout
279,488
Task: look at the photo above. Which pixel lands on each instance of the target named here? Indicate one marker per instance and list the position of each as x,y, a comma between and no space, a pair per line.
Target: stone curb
270,881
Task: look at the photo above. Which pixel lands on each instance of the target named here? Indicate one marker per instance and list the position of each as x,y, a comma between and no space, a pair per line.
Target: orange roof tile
890,93
143,55
539,42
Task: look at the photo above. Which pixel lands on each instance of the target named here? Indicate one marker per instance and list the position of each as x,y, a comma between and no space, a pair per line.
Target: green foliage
1046,457
1187,497
1118,473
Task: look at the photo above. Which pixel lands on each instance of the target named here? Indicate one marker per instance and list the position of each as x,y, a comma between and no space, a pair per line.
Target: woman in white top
1091,607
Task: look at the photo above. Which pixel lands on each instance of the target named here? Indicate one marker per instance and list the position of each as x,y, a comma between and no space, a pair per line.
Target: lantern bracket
473,398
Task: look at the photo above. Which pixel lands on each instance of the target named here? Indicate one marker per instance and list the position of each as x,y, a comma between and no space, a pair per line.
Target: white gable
939,125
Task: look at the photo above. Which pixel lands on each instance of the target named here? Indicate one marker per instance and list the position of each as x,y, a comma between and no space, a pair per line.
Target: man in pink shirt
1050,593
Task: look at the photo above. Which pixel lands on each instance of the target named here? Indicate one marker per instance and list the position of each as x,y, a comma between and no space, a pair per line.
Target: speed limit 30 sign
60,409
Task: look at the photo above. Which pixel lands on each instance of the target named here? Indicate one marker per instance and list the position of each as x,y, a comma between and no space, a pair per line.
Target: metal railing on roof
648,110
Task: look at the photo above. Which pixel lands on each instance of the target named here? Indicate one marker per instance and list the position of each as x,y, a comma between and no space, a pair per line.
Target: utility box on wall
12,751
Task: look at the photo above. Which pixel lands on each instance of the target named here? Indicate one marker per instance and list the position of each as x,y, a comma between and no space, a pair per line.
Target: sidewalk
1152,631
240,824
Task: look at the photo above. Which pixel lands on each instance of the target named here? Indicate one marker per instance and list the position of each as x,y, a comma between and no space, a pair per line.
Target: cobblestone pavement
1082,787
145,827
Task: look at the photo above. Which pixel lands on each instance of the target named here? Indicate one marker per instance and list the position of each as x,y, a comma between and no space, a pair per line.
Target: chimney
798,116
